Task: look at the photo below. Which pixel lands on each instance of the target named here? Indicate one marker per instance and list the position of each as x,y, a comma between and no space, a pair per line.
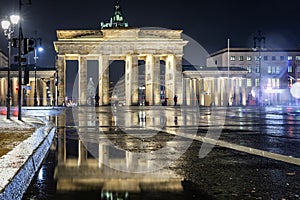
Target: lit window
273,57
281,57
241,58
290,69
232,58
269,69
265,57
277,70
277,83
257,58
257,69
297,57
269,82
273,83
249,68
249,82
290,57
273,70
256,82
249,58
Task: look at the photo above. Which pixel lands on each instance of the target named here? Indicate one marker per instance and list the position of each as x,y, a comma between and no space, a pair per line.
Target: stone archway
130,45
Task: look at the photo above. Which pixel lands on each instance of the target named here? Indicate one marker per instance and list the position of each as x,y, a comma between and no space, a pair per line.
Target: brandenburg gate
129,45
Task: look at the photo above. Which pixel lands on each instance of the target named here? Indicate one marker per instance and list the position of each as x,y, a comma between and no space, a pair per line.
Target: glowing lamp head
5,24
14,19
40,49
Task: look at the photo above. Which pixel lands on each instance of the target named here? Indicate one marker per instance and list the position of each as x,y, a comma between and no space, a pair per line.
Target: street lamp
8,27
39,49
259,44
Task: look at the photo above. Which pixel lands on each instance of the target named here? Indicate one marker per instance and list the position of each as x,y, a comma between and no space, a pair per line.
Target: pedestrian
175,100
97,98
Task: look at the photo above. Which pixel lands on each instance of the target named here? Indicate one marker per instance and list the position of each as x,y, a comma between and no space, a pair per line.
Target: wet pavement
127,153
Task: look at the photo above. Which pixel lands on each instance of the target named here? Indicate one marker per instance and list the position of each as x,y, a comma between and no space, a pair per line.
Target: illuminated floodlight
295,90
40,49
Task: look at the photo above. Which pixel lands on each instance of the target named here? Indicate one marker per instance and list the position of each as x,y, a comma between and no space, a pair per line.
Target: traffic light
28,45
26,75
15,42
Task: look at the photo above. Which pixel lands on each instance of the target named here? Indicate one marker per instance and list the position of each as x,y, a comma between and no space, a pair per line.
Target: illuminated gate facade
129,45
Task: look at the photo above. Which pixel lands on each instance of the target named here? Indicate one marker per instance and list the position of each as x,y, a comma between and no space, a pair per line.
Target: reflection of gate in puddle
84,172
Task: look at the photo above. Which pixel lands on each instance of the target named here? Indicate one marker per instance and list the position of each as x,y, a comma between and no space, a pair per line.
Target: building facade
42,81
272,70
3,59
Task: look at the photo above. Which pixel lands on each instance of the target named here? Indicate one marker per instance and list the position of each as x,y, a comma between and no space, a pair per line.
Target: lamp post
8,27
259,44
40,49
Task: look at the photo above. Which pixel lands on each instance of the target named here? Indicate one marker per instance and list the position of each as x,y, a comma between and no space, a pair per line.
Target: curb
18,167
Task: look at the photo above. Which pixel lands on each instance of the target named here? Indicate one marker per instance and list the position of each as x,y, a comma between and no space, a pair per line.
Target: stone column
184,102
44,93
3,93
201,90
238,95
30,100
149,79
178,78
52,92
61,68
217,98
82,81
156,80
14,92
188,91
222,89
152,74
104,80
244,93
195,94
131,80
174,77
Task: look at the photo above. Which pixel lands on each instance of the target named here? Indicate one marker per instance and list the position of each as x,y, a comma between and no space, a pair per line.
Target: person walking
175,100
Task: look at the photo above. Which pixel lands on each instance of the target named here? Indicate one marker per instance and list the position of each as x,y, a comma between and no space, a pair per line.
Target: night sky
209,22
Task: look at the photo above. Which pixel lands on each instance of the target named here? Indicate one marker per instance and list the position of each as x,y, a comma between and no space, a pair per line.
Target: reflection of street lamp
39,49
8,27
259,44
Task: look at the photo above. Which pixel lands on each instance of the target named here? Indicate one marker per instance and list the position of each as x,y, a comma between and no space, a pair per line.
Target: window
265,57
269,69
257,69
281,57
290,69
273,57
277,83
273,70
257,58
297,57
277,70
249,68
256,82
232,58
249,82
249,58
241,58
273,82
290,57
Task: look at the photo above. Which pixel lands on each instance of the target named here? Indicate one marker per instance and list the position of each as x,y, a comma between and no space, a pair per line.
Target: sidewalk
23,146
